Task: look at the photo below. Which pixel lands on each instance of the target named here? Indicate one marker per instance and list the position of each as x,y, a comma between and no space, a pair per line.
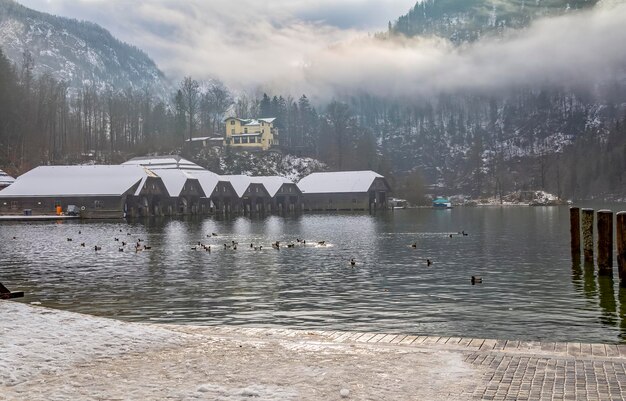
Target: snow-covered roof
251,121
174,180
272,183
76,181
207,179
204,138
163,162
239,182
338,182
148,174
5,179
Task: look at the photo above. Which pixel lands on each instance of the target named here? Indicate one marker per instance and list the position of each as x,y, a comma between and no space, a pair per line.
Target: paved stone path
513,370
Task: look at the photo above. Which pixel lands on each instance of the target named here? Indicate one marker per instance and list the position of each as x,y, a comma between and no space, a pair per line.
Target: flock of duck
139,246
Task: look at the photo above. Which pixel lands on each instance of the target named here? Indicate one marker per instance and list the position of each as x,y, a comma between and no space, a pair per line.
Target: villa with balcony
251,134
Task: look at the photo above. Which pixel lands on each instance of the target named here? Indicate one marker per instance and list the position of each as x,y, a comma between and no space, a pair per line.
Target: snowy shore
47,354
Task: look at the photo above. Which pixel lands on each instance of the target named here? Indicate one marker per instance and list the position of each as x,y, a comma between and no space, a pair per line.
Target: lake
530,289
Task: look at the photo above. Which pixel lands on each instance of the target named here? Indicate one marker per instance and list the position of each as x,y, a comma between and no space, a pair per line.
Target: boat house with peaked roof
220,195
252,195
285,194
184,191
150,197
344,190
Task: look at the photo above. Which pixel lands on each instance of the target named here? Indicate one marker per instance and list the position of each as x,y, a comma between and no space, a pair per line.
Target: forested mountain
80,53
469,20
534,136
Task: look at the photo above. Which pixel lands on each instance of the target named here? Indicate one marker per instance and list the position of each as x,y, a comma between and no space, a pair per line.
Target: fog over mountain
291,46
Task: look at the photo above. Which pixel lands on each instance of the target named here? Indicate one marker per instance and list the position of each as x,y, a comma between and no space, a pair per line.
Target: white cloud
320,48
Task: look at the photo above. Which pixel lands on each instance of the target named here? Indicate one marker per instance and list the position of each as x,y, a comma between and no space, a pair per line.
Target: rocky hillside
223,161
80,53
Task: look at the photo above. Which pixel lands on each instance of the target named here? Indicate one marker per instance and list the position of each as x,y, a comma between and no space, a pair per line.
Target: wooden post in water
605,242
574,219
621,247
587,227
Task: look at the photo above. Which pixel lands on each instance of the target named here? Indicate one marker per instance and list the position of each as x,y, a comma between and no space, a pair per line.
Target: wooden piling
574,219
605,242
621,247
587,233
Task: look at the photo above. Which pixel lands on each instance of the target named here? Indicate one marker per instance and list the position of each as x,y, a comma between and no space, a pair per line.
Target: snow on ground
38,341
54,355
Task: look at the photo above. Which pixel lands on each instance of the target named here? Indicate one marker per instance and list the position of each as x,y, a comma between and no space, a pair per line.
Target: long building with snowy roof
171,185
98,191
344,190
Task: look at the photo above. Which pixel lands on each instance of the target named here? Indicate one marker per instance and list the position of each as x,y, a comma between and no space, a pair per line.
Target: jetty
37,218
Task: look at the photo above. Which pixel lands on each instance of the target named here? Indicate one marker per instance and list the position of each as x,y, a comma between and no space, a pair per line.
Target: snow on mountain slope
80,53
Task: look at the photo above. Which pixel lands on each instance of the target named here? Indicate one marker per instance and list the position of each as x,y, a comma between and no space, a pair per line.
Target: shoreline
74,356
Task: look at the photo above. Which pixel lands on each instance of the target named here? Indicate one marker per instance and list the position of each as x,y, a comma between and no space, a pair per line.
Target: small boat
442,203
396,203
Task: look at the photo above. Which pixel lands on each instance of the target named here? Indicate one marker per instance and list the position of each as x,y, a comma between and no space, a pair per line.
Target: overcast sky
324,47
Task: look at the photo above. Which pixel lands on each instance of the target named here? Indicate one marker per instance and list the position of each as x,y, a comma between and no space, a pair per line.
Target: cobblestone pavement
511,370
511,377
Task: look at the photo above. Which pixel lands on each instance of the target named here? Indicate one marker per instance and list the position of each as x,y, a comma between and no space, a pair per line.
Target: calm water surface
530,291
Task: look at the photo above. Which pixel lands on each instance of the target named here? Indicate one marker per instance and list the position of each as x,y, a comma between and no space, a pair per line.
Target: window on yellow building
232,122
237,140
244,139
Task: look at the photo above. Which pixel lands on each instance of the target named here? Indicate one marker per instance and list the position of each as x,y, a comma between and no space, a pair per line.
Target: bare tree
190,89
220,100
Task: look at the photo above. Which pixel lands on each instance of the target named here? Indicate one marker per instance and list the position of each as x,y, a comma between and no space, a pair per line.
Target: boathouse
344,190
285,194
251,195
150,198
220,196
184,192
97,191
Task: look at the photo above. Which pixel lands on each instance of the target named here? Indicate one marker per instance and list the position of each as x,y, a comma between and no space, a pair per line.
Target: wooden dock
37,218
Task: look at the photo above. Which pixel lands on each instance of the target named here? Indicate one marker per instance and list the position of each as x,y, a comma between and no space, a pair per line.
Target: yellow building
257,134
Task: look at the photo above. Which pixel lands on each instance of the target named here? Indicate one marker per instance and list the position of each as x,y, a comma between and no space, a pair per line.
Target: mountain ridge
469,20
82,53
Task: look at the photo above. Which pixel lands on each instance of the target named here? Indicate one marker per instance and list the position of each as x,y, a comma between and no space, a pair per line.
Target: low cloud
582,47
292,46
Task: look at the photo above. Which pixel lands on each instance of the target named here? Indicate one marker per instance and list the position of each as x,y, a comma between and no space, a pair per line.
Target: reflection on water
531,288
